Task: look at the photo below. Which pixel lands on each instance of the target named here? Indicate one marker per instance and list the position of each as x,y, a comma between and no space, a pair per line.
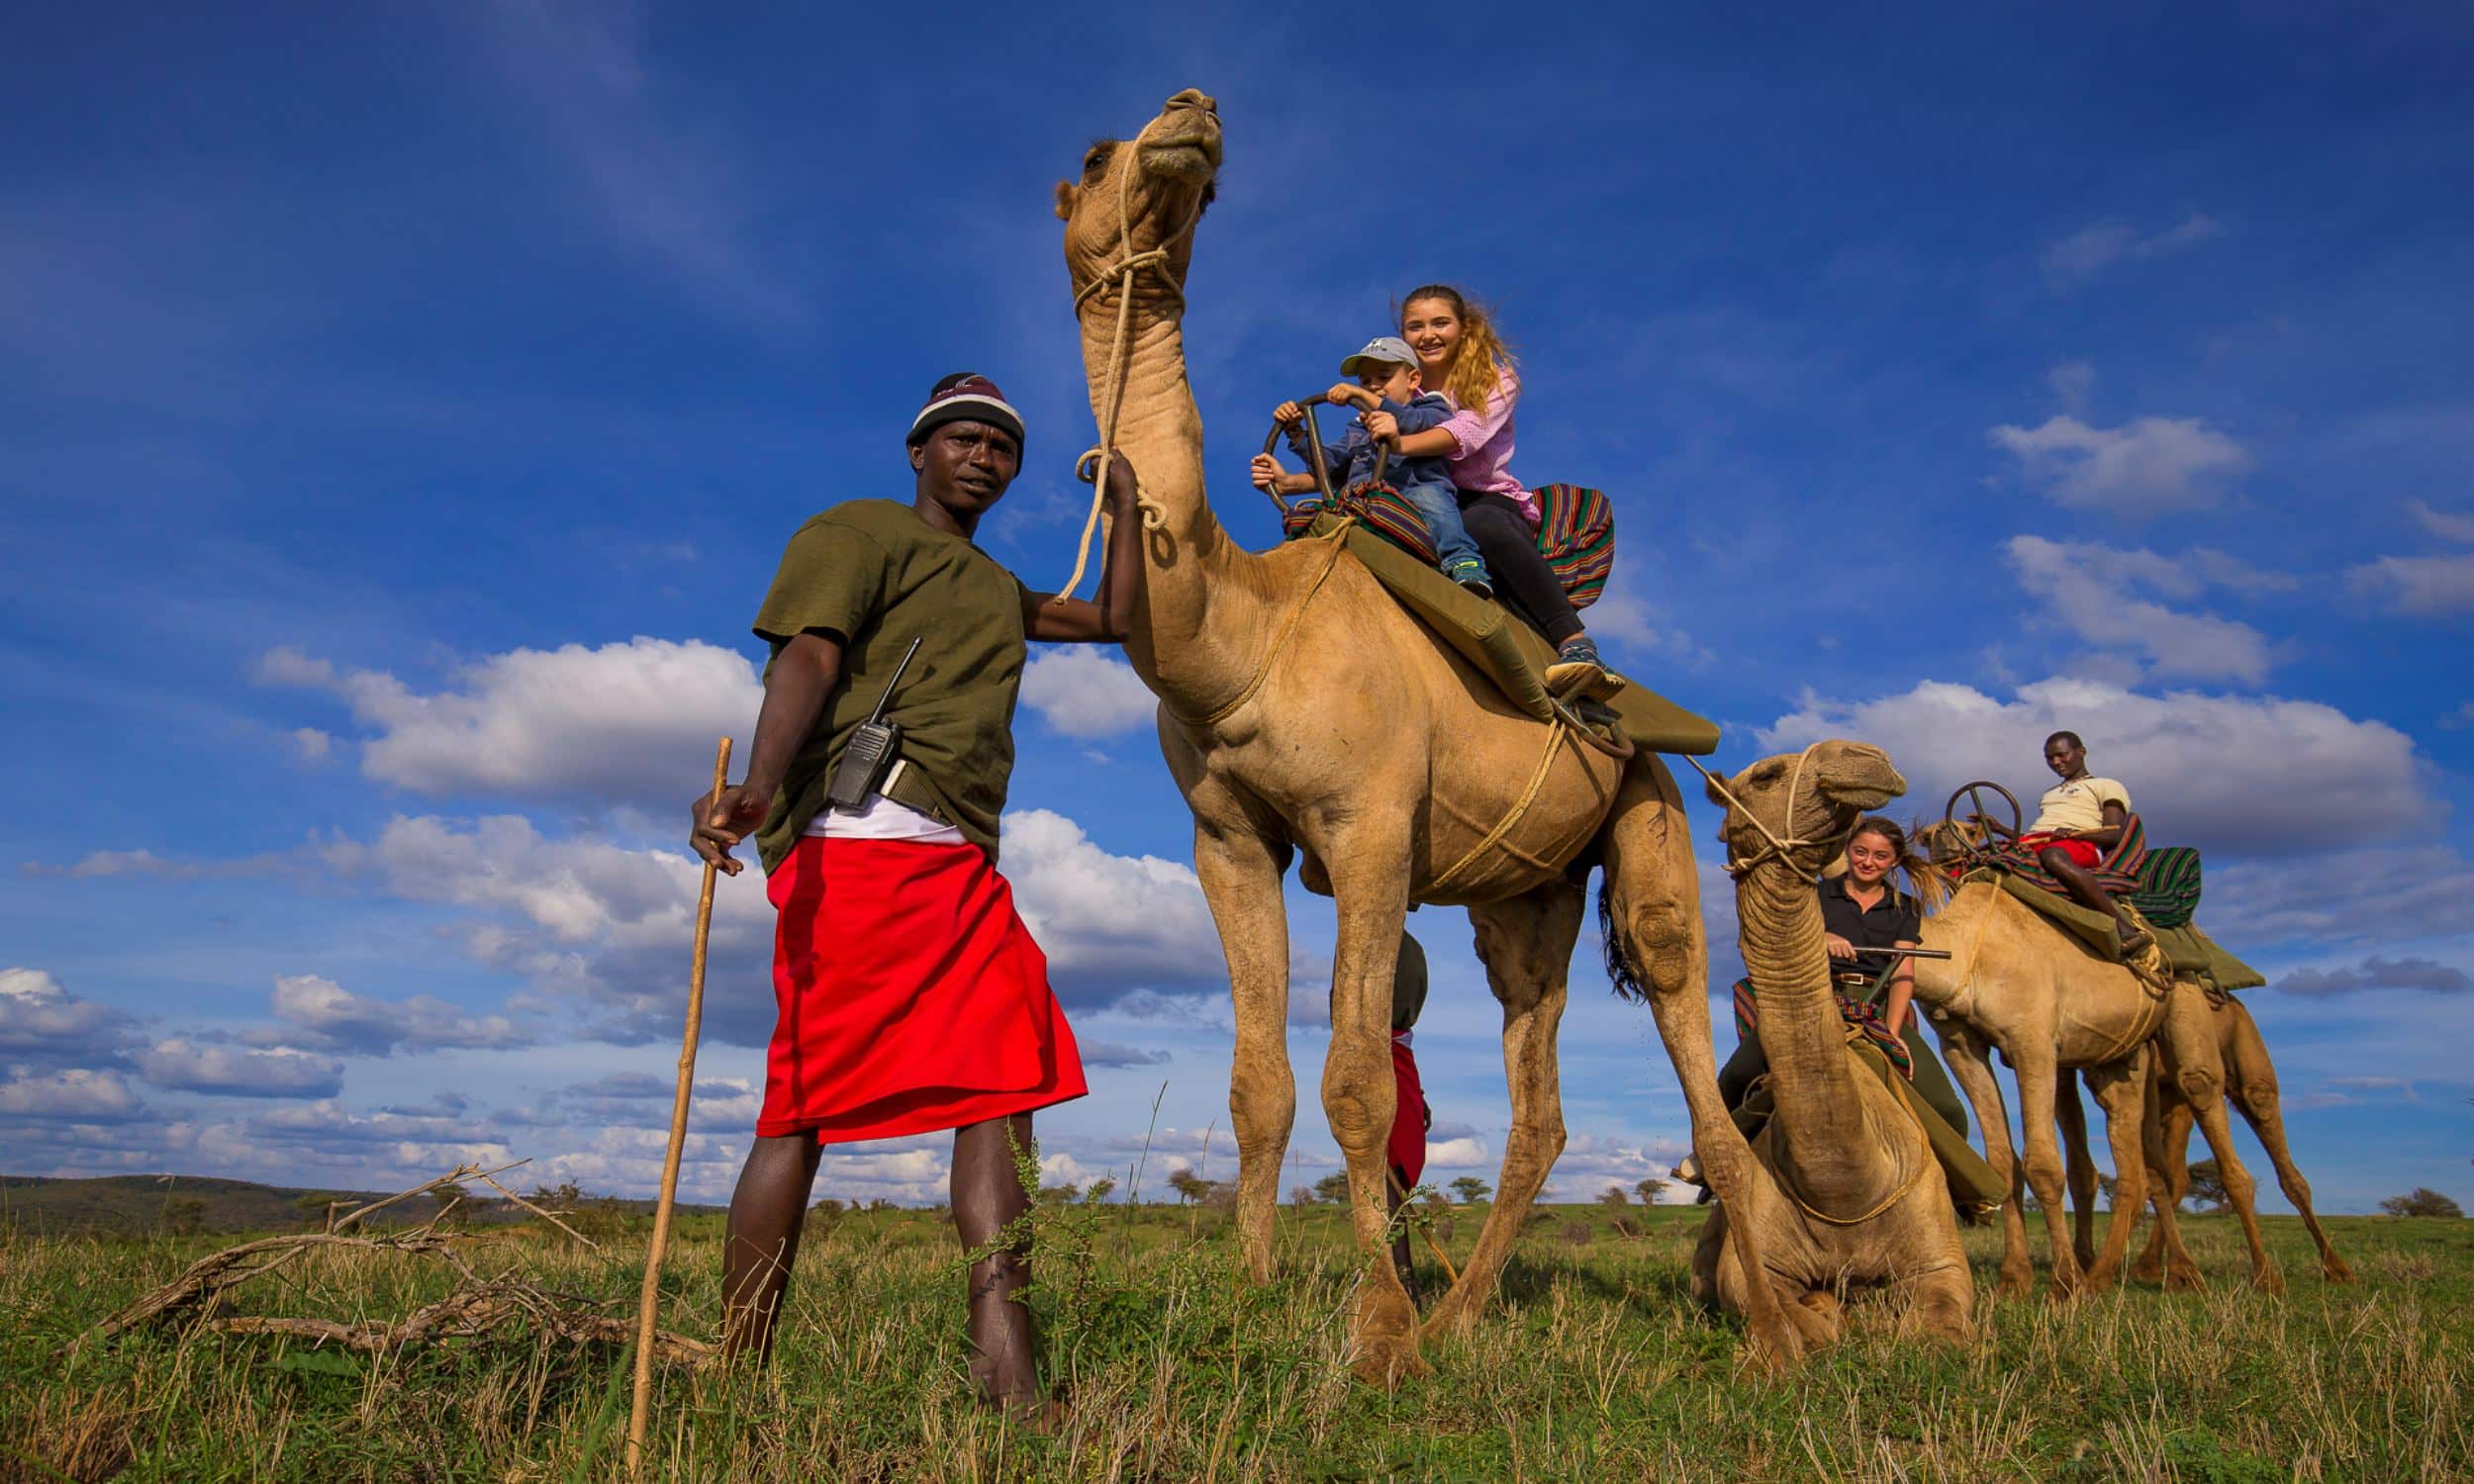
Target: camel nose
1195,98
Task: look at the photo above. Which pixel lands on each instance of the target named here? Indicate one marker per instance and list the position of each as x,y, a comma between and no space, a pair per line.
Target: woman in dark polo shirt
1866,908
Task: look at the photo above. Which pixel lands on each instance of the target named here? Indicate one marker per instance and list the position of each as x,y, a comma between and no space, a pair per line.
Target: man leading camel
912,997
2078,821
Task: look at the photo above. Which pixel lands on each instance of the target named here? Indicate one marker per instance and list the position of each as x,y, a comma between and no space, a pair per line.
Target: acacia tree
1471,1189
2422,1201
1613,1195
1188,1185
1650,1190
2206,1187
1333,1187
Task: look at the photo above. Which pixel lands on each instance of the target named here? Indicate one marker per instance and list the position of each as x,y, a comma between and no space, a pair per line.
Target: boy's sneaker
1472,574
1578,670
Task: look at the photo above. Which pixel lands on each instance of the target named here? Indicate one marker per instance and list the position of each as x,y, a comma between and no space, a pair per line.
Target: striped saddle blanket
1575,530
2163,884
1859,1014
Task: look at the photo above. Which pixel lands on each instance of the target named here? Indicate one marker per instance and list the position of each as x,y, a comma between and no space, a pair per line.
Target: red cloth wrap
2085,855
1405,1150
911,996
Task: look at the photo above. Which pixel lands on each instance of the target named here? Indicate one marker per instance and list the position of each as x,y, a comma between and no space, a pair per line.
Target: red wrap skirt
2087,856
911,996
1405,1150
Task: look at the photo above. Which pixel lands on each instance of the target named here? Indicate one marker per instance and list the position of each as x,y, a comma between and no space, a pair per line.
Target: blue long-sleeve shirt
1352,459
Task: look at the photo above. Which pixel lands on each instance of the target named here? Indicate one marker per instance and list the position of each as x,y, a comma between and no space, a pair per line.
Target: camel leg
2078,1170
1971,1066
1654,894
1369,887
1240,873
2043,1156
2121,1088
2262,1109
2169,1174
1526,945
2190,1034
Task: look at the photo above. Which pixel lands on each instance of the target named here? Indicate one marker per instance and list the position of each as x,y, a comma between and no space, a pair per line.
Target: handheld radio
872,748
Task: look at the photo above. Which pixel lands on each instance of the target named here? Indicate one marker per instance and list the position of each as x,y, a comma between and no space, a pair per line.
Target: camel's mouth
1193,158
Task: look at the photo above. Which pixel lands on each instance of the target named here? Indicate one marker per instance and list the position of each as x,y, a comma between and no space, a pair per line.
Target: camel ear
1067,194
1709,788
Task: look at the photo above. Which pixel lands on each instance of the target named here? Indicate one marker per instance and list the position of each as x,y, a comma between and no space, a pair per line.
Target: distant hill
145,1204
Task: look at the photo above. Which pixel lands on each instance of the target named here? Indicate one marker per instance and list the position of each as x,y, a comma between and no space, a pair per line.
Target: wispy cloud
2145,466
2092,249
671,180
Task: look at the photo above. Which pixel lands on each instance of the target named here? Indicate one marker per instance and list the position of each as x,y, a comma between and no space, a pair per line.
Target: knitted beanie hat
966,397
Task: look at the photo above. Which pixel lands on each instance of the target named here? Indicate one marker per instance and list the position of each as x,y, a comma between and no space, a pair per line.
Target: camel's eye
1095,160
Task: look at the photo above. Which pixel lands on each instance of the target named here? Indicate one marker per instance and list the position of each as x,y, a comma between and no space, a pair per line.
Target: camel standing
1847,1191
2018,983
1303,711
2212,1055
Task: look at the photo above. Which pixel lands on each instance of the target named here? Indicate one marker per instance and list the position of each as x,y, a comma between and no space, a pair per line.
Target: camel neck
1829,1151
1200,602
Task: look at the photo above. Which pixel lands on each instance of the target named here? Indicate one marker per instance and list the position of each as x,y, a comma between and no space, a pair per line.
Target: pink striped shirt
1481,445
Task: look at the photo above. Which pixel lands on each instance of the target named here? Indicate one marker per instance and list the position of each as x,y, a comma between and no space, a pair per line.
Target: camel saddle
1504,649
2191,953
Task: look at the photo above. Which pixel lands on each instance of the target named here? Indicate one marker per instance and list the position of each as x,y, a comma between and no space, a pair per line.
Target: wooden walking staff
648,1304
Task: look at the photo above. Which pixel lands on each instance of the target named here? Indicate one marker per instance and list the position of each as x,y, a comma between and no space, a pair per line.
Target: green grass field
1596,1364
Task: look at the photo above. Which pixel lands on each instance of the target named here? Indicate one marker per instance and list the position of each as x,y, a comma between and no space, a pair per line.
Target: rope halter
1777,845
1094,464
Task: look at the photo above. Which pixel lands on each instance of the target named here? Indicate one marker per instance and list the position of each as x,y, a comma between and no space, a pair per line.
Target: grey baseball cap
1389,350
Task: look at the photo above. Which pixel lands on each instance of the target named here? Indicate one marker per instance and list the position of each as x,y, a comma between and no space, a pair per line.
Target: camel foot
2268,1279
1388,1360
2146,1270
2010,1284
2182,1277
1453,1318
2334,1271
1383,1349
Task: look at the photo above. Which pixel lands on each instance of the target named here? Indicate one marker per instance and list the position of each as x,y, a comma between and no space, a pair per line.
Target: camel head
1814,796
1152,188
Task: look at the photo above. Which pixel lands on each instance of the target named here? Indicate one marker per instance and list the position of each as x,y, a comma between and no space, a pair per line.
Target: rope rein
1095,461
1557,731
1777,847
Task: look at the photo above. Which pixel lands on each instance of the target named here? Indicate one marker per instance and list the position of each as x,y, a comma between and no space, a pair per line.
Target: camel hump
1506,650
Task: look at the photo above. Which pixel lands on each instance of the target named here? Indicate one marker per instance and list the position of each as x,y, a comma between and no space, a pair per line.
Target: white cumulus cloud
625,723
233,1071
2097,590
73,1093
316,1013
1108,922
1085,690
2227,772
2145,466
40,1021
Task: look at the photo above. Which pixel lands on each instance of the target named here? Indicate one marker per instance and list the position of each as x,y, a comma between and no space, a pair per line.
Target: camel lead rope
1113,388
648,1302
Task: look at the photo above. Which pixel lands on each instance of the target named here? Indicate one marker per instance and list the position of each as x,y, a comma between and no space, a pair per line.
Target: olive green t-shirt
872,572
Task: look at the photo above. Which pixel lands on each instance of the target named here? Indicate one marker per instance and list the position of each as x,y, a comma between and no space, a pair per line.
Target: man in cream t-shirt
2077,821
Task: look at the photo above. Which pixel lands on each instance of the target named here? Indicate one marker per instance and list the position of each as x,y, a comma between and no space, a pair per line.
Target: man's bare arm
1106,620
803,673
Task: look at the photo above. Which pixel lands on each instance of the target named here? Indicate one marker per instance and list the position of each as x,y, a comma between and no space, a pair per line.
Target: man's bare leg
2083,889
767,1211
989,1199
1400,1260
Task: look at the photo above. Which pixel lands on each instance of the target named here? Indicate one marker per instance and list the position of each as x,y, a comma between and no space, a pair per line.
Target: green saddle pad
1509,652
2192,953
2195,955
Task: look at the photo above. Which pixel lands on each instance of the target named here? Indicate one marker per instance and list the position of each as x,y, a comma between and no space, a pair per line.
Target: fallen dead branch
468,1313
477,1307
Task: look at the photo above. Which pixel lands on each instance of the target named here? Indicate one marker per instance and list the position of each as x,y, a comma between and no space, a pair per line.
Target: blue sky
400,414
